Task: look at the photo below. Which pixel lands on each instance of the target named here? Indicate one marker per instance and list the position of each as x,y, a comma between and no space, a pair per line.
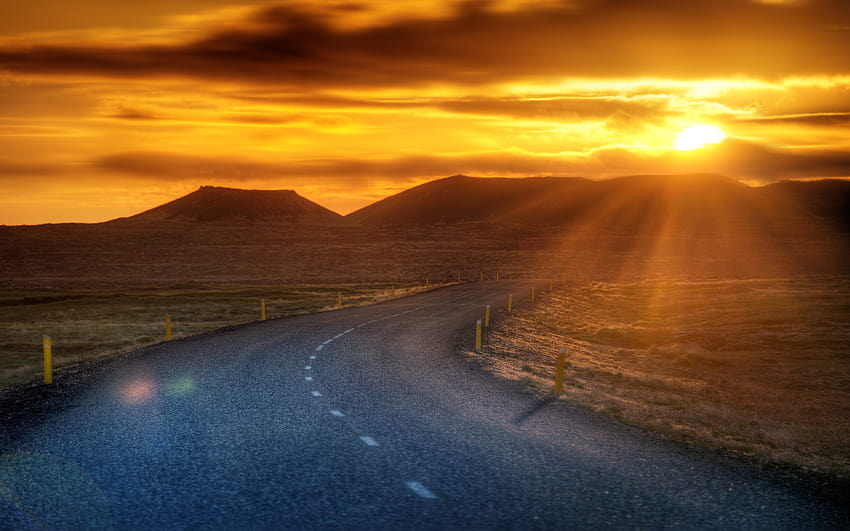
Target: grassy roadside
90,324
759,368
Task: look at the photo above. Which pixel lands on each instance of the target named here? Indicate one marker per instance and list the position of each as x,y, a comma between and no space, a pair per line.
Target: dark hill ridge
211,203
555,201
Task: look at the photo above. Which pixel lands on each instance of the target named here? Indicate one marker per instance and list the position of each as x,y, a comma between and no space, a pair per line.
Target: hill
553,201
212,203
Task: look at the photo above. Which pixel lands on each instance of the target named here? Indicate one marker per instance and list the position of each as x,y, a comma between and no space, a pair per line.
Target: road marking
338,336
316,393
308,378
308,367
328,342
348,331
420,489
320,347
336,413
369,441
312,357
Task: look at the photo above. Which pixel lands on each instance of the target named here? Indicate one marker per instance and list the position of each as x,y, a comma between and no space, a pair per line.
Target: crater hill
212,203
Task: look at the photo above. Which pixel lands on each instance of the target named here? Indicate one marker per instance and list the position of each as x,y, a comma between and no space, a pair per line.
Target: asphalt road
365,418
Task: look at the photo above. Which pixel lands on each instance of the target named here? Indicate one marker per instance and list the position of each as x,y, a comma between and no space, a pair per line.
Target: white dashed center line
312,357
308,378
308,367
369,441
320,347
420,489
336,413
316,393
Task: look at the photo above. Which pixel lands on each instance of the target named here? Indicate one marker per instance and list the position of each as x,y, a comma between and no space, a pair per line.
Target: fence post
167,327
559,371
47,345
478,335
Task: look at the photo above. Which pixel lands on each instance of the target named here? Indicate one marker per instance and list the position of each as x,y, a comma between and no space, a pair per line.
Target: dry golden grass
759,367
90,324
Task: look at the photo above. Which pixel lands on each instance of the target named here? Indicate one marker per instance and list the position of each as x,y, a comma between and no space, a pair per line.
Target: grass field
89,324
758,367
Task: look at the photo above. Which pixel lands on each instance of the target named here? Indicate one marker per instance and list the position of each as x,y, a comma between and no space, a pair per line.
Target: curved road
365,418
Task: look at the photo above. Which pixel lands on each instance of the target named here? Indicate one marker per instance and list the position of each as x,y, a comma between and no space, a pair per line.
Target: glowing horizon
105,114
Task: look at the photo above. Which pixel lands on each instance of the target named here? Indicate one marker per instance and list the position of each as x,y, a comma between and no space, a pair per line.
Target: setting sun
698,136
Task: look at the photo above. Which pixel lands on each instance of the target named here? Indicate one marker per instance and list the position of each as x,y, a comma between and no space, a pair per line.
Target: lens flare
698,136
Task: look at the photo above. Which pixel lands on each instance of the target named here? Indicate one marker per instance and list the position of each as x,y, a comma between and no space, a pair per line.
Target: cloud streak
291,46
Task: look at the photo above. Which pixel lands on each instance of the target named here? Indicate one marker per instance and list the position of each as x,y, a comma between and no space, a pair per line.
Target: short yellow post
487,316
510,302
428,282
481,276
48,359
392,293
559,371
551,284
478,335
339,300
497,276
263,309
532,293
167,327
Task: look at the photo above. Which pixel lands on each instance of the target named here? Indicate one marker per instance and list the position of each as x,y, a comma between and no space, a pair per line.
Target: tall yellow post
487,316
510,302
47,344
559,371
263,309
338,299
478,335
532,293
167,327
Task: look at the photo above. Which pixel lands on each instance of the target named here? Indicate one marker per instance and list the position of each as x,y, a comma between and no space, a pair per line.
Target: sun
698,136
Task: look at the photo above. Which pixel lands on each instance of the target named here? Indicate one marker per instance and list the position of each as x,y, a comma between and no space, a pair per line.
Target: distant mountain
461,199
828,199
211,203
553,200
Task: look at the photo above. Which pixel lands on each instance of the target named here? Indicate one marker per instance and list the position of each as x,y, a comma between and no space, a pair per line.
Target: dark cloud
613,38
14,168
835,119
732,157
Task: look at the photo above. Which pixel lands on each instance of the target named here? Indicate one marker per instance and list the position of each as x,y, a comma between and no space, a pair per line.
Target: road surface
365,418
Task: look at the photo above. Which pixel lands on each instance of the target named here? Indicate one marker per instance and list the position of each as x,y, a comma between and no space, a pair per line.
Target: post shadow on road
538,406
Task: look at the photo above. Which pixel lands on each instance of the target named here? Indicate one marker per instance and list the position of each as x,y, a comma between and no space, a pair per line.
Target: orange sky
109,108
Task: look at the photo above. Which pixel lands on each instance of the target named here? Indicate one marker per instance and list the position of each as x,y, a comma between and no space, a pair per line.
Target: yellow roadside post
48,359
392,293
550,284
510,302
487,316
167,327
458,277
481,276
559,371
478,335
428,282
532,293
497,276
339,300
263,309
